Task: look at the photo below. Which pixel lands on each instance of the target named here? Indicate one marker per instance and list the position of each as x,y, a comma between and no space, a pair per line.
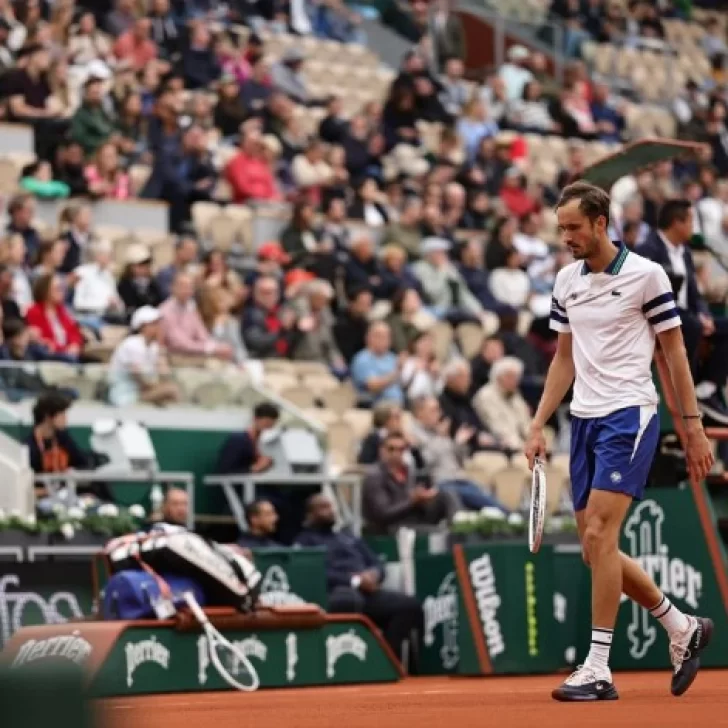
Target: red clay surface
511,702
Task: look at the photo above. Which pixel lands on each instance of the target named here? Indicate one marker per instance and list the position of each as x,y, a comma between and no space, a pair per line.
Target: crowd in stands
453,229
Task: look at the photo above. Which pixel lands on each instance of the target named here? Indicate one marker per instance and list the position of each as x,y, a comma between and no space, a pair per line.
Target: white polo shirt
613,318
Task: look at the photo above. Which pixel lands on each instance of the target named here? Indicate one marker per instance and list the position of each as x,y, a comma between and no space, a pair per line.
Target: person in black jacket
137,286
354,576
386,418
350,329
262,520
239,453
668,246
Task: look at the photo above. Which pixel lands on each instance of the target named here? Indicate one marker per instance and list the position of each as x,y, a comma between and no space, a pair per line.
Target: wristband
693,417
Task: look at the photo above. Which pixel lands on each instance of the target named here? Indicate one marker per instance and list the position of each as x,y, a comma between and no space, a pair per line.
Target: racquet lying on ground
215,641
538,507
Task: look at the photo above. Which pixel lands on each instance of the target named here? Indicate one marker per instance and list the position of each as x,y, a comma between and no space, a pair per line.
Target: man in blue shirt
375,370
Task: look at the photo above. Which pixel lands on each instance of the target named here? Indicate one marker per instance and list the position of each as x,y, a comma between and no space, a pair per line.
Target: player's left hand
699,454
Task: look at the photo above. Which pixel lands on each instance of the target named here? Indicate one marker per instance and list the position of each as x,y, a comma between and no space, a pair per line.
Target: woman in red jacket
56,327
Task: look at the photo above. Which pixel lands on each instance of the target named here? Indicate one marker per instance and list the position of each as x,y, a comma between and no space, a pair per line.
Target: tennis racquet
538,507
215,641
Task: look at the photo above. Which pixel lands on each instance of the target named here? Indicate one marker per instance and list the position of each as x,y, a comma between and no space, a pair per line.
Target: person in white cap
514,73
137,366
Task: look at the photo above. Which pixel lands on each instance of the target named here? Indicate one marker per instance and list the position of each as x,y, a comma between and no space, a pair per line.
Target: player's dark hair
253,508
50,404
673,211
266,410
593,201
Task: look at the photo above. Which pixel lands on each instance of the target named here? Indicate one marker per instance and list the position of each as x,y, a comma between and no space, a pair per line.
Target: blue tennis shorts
613,453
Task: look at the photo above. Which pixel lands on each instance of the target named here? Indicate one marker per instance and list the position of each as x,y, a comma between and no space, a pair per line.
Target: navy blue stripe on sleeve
557,305
658,301
556,316
664,316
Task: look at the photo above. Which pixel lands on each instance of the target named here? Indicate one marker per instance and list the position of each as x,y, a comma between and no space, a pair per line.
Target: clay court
433,703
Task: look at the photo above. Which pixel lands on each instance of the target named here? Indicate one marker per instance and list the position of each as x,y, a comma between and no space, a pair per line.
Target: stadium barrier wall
289,647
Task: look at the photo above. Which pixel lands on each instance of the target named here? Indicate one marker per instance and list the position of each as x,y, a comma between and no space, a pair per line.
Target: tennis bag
133,594
226,577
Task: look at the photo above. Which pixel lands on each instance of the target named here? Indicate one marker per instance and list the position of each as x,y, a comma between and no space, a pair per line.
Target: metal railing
328,482
71,479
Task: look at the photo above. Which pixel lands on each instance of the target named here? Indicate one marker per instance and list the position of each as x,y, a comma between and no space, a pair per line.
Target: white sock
670,617
601,643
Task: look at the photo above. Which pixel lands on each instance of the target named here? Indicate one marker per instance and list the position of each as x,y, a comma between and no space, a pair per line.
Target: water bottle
156,498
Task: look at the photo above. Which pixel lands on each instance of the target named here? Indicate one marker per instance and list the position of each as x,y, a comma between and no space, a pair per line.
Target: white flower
59,509
63,494
68,531
30,519
461,517
108,510
492,513
14,513
75,513
515,519
137,511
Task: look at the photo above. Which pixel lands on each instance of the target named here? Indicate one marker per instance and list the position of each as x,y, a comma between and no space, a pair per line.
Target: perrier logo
275,589
442,610
645,534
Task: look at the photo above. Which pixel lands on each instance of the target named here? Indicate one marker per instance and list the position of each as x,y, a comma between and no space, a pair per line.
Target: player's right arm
560,375
558,380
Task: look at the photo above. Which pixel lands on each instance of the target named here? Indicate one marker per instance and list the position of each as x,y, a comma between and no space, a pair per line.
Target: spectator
106,178
408,318
514,72
216,272
444,455
175,508
240,452
491,350
137,287
476,277
375,370
474,125
91,125
501,407
310,172
387,417
19,382
77,236
368,204
249,172
183,331
20,290
95,296
121,19
531,113
448,33
50,257
405,232
135,47
455,93
443,285
608,117
199,64
333,128
395,275
230,112
457,405
354,576
138,369
257,90
301,241
30,101
69,168
350,328
215,308
185,261
268,328
314,339
393,495
514,195
21,210
262,519
287,77
56,328
363,269
420,375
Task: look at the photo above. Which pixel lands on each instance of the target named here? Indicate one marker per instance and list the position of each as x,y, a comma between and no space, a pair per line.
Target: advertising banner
292,576
43,592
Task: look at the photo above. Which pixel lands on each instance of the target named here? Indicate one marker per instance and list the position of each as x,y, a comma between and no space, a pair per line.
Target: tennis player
608,307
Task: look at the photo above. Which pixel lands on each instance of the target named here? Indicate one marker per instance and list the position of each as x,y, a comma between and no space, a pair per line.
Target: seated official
392,497
240,453
262,519
175,510
354,576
